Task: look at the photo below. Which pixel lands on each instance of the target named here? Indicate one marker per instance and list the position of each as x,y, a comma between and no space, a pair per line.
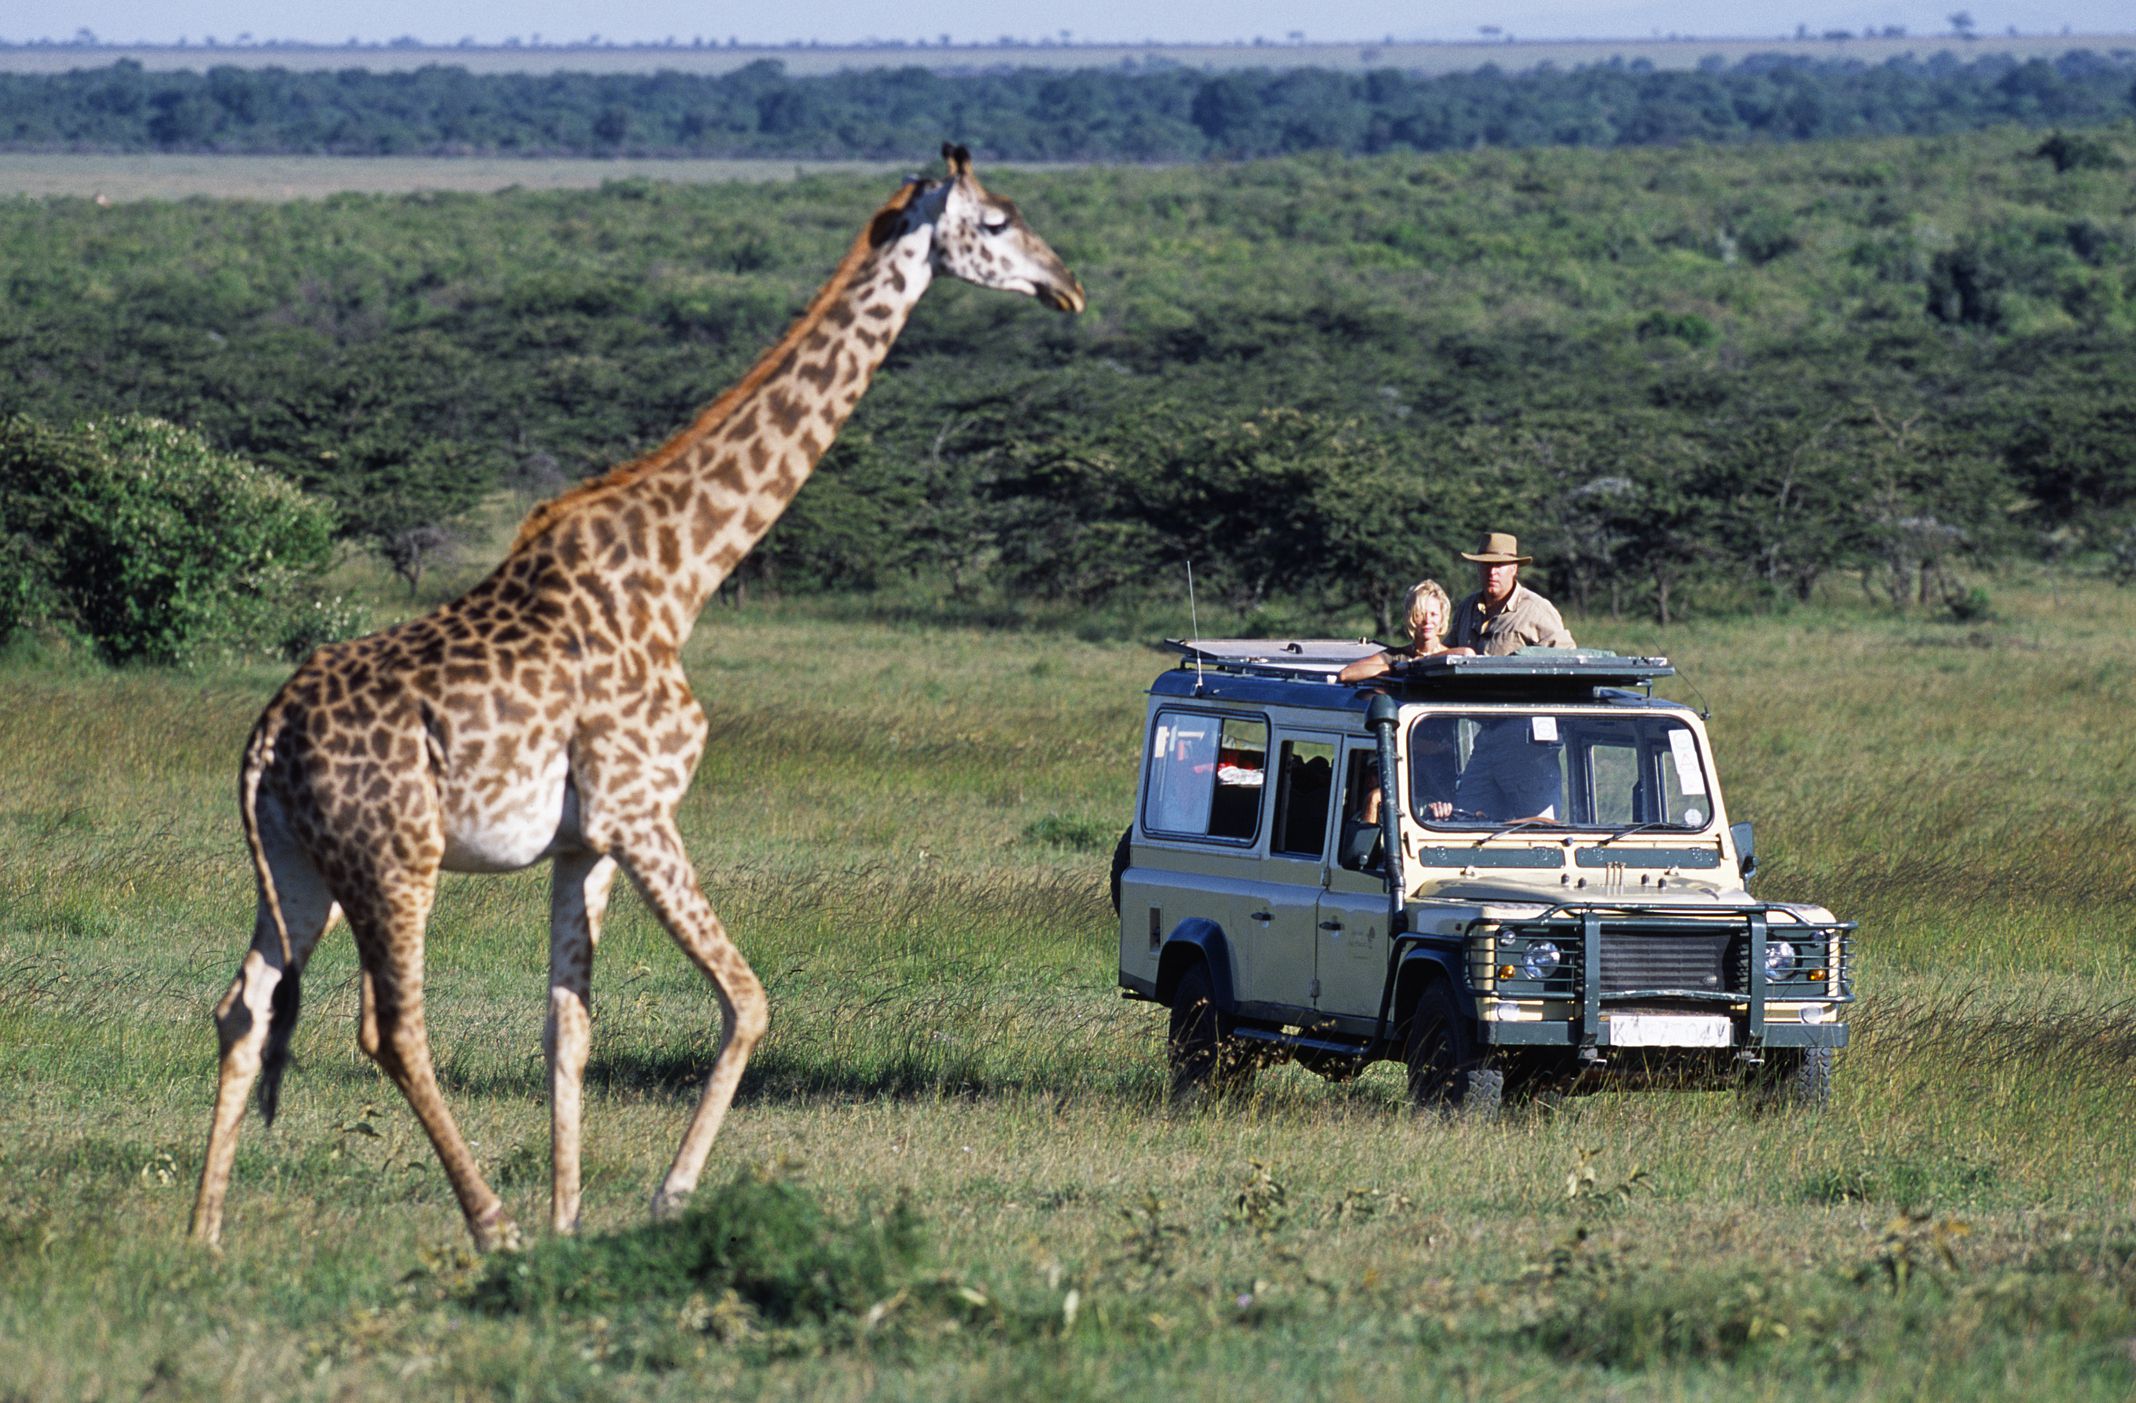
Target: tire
1448,1073
1200,1052
1793,1078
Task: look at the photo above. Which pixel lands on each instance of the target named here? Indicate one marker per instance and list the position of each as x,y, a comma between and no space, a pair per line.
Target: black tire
1448,1073
1119,865
1792,1078
1203,1057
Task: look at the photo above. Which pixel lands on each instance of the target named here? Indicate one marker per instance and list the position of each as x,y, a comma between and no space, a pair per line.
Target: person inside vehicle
1434,759
1513,773
1363,840
1503,615
1425,613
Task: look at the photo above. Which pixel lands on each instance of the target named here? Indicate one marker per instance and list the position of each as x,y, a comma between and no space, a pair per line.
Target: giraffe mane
880,229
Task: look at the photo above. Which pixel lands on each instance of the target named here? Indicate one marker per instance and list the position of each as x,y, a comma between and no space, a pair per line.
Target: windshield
1567,769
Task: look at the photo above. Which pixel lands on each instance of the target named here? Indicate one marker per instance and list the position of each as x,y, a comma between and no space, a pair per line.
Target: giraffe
545,714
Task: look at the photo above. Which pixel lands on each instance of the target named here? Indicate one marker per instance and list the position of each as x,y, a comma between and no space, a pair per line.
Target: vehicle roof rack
1319,659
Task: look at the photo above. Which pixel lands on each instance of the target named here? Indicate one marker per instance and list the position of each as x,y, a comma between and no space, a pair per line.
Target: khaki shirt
1525,619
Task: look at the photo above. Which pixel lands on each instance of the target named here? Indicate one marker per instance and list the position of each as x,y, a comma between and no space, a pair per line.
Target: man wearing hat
1504,615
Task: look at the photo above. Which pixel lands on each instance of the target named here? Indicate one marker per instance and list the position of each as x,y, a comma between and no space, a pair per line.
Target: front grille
1633,959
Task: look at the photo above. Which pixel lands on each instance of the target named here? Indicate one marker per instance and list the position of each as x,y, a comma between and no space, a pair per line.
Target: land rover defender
1514,874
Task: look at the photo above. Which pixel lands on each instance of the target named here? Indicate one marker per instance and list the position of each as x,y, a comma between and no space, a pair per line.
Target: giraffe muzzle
1062,299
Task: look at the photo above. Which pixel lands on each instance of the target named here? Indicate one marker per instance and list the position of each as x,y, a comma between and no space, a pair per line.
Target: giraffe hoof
669,1203
495,1231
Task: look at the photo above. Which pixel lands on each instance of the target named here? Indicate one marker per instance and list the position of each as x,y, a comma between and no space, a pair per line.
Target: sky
983,21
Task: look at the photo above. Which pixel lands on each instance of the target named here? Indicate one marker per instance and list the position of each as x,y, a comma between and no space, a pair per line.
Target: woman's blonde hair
1421,593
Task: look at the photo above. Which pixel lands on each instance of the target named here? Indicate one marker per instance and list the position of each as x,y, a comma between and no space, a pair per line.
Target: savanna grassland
906,826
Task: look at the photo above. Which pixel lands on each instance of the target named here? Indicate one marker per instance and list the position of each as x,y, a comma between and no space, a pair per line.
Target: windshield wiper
1516,823
1635,828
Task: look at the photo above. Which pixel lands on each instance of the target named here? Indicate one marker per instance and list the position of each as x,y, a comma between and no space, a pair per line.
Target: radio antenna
1194,622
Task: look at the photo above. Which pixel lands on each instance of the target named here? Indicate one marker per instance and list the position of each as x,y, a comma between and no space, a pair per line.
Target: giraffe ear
957,158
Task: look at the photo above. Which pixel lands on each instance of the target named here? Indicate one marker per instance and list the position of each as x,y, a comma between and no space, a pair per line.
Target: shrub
769,1241
1083,835
139,534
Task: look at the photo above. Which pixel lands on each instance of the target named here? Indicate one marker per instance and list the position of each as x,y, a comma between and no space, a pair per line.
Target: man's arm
1546,628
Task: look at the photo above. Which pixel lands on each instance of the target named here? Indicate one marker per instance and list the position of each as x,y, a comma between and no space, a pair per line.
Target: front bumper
1653,977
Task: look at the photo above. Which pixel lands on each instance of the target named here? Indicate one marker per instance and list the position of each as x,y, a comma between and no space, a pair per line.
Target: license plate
1671,1030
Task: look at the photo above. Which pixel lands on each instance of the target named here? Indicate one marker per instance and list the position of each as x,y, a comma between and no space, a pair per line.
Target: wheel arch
1421,968
1196,940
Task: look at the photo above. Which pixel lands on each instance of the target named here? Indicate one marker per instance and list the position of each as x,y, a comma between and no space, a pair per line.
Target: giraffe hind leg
254,1019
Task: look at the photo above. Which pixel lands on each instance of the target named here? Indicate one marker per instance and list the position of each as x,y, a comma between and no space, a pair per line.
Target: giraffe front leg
577,901
656,861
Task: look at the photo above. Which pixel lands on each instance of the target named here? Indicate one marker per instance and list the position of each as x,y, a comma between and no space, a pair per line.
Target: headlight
1540,960
1779,959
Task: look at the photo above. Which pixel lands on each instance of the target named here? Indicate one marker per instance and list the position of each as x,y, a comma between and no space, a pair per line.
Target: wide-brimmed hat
1497,548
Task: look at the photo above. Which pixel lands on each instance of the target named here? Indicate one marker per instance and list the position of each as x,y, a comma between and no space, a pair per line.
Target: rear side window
1207,774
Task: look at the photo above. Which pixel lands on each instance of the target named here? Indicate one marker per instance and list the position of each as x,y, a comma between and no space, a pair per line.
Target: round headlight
1540,960
1779,958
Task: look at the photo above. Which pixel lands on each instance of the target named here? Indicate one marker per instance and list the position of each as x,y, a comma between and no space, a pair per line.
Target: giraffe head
981,239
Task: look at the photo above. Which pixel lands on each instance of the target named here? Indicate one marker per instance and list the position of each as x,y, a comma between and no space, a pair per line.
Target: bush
140,535
767,1240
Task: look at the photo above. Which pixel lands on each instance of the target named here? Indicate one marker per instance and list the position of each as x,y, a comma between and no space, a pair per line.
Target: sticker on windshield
1689,777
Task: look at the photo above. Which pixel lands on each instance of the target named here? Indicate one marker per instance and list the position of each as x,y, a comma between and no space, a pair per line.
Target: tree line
1694,380
1025,114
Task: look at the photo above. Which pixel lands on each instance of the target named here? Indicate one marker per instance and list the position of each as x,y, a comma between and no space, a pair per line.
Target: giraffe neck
737,476
686,514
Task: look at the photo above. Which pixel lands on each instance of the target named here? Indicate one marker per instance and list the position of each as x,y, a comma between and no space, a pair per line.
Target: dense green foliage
1689,378
148,541
1027,114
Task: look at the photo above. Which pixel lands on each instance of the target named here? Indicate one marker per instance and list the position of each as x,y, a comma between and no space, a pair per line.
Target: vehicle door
1292,873
1350,919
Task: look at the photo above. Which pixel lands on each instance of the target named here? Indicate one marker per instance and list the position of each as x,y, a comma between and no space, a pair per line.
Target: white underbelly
514,829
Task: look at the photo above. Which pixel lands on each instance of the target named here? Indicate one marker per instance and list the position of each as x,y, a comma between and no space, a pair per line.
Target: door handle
1259,916
1331,925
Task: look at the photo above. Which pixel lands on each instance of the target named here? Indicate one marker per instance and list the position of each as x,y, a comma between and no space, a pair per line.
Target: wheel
1792,1078
1448,1073
1202,1055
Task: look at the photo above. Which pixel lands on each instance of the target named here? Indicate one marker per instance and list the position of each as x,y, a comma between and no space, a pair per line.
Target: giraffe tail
282,1015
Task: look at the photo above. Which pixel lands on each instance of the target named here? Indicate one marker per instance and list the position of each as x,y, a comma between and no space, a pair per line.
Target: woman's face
1431,619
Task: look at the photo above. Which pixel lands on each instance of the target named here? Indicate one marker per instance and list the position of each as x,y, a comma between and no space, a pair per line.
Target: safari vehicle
1549,897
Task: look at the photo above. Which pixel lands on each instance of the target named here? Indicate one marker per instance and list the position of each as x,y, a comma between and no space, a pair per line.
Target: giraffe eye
994,223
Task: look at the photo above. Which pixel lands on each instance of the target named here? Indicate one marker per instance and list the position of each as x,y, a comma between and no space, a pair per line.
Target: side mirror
1746,850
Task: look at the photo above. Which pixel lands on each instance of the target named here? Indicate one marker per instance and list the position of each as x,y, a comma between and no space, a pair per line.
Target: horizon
975,24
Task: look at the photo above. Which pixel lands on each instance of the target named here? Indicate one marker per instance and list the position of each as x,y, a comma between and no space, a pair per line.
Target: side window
1305,779
1206,775
1360,844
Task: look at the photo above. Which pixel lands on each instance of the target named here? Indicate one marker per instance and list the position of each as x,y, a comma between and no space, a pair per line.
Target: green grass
905,825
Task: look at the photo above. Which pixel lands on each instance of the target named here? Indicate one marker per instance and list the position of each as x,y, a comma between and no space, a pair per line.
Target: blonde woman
1426,612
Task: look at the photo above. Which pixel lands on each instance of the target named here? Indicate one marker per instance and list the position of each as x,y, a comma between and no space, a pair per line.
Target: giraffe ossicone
544,715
